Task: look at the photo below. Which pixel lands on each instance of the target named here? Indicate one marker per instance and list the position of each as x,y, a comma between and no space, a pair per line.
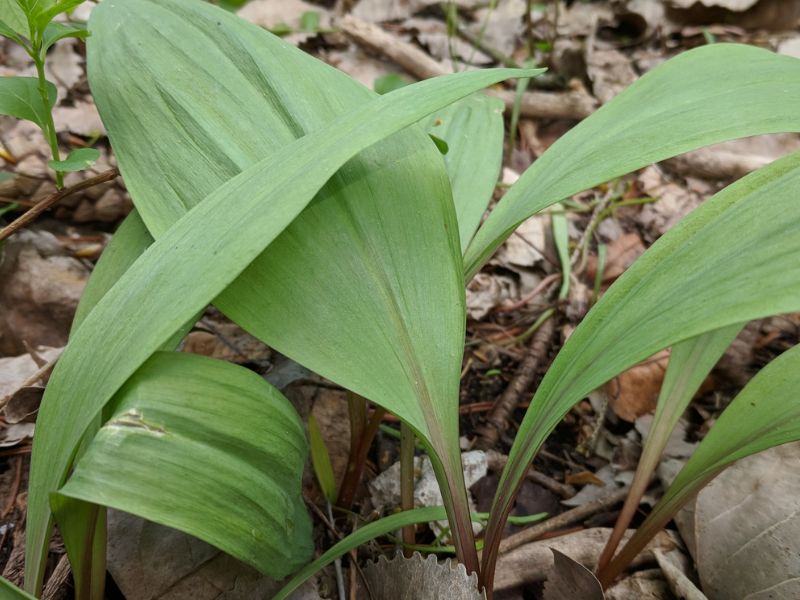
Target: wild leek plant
324,221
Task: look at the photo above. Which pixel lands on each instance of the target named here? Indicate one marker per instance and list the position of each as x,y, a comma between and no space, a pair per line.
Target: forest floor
592,50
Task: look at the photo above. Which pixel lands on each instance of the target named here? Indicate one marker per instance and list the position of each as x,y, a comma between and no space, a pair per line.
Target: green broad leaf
473,131
211,449
19,98
359,537
8,32
8,591
390,82
321,461
14,20
732,260
191,263
58,31
766,413
49,11
77,160
703,96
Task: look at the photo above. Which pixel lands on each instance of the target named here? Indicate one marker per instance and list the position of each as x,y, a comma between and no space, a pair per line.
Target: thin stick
497,419
352,478
566,518
574,105
53,198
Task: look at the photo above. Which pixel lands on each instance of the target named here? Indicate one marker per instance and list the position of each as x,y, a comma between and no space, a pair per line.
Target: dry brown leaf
621,254
361,66
226,341
23,404
570,580
748,14
747,527
635,392
610,72
14,371
270,14
487,291
673,202
11,435
643,585
532,562
153,562
735,5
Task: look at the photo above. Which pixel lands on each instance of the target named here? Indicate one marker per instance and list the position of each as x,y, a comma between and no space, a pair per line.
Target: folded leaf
211,449
707,95
19,98
732,260
473,130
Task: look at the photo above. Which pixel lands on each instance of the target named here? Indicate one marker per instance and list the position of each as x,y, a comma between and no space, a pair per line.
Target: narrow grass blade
690,362
360,536
321,461
190,265
707,95
766,413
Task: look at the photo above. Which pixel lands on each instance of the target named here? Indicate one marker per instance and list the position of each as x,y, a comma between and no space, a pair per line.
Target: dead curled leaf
152,562
635,392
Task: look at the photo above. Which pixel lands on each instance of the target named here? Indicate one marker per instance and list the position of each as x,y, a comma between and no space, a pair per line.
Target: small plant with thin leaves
30,24
324,221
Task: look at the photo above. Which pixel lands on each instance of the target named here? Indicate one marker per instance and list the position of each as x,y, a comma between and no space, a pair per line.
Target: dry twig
52,199
566,518
497,419
544,105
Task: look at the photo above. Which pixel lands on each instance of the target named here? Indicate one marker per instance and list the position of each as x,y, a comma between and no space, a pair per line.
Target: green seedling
30,24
